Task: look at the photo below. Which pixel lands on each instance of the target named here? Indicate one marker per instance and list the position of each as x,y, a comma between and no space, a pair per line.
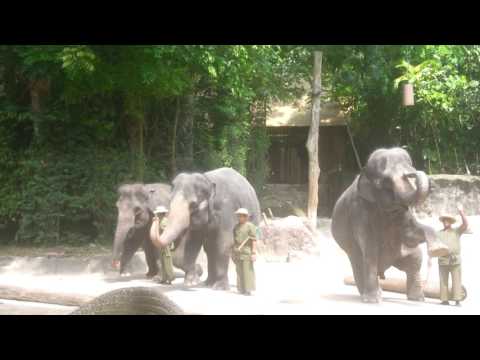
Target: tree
312,142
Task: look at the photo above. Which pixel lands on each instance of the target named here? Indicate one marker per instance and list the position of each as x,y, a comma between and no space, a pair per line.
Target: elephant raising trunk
414,196
372,222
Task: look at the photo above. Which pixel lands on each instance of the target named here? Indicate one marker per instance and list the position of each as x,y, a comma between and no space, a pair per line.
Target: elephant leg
132,244
193,244
218,261
356,262
152,255
369,262
372,291
222,263
209,248
412,264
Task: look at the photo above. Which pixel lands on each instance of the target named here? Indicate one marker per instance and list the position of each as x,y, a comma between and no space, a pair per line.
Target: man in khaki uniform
244,252
168,274
451,264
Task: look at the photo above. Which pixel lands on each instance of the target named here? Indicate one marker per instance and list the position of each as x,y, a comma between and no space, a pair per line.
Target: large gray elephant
135,204
372,222
203,207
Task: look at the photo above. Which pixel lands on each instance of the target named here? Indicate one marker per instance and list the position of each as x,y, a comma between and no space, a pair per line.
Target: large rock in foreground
287,238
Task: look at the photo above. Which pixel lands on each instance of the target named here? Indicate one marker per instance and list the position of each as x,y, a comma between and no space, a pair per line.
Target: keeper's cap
161,210
242,211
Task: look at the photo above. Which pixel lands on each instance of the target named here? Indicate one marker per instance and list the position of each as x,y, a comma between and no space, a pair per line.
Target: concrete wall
446,192
449,190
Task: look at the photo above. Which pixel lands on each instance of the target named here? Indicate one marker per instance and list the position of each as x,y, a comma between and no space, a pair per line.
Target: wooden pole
312,142
430,289
359,163
42,296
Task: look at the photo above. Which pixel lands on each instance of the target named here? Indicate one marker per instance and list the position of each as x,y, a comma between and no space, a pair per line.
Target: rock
287,238
284,199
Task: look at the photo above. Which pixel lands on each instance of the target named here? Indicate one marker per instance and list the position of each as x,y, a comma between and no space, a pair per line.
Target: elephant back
235,191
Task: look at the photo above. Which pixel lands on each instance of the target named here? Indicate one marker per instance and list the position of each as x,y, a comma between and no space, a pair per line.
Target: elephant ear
365,187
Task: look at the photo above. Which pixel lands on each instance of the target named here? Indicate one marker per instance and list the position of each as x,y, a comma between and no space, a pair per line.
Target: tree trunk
39,89
185,160
42,296
312,142
135,122
174,141
141,153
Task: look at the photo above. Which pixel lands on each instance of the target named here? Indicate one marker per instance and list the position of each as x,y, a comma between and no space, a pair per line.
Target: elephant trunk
154,231
418,195
178,223
124,224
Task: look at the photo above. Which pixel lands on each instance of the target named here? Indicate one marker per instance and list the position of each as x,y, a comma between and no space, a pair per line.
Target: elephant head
191,206
390,181
133,198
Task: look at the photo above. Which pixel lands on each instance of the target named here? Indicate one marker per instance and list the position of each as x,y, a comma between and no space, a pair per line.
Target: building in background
288,127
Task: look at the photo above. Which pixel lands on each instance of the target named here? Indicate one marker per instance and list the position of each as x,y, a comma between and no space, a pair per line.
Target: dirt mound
288,237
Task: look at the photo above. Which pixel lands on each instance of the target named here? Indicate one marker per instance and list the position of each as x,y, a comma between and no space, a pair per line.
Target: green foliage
441,130
108,113
106,117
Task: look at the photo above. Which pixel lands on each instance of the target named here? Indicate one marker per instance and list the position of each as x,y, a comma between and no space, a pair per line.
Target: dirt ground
311,285
76,251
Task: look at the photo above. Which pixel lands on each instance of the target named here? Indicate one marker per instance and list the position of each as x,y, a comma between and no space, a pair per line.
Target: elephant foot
373,297
151,274
221,285
192,280
208,283
416,296
414,287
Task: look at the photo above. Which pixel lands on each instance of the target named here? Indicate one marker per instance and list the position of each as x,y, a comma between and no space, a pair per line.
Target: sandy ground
313,285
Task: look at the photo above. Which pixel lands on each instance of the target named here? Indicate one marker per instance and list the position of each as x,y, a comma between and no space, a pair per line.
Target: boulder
287,238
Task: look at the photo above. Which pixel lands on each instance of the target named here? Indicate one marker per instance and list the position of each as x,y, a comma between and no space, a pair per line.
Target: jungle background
76,121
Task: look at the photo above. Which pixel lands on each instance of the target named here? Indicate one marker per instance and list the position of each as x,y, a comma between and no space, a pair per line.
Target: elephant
135,205
373,223
203,206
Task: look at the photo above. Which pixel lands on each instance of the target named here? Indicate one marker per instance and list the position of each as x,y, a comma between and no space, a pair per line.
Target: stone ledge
46,265
449,190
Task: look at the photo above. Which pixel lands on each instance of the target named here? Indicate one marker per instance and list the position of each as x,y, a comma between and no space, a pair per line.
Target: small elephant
135,205
373,224
203,207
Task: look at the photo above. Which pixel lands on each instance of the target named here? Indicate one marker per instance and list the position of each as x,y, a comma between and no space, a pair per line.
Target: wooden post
43,296
431,289
312,142
359,163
